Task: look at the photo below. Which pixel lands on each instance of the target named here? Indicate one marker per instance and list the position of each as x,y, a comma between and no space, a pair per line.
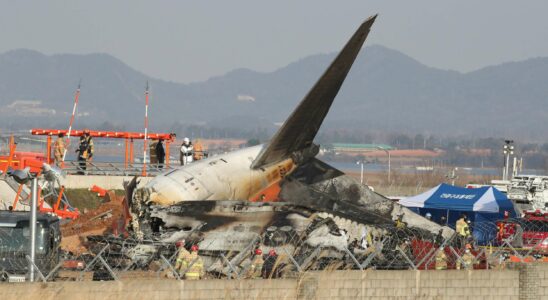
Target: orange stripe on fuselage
271,181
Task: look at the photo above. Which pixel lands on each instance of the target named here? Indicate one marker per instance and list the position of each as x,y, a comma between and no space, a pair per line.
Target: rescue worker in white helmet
187,152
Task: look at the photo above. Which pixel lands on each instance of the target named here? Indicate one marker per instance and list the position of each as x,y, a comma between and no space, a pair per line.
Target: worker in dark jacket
85,151
160,153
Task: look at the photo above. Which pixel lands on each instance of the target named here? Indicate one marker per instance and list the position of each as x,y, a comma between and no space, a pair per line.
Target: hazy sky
189,41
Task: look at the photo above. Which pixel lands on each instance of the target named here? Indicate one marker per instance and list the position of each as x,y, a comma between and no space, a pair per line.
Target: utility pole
76,97
452,175
144,173
32,225
508,149
360,162
515,167
388,166
387,153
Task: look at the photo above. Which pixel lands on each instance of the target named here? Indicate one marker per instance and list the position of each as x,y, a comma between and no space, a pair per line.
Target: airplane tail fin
299,130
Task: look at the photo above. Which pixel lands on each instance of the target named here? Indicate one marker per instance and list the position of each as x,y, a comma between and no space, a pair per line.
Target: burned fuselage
226,176
242,174
229,231
320,208
319,186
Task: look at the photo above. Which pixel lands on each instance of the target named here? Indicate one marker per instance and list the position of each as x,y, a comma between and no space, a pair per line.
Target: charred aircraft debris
319,209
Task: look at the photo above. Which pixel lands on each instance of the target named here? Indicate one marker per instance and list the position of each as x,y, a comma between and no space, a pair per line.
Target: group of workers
190,265
442,221
84,150
465,261
157,152
187,153
468,259
462,227
464,240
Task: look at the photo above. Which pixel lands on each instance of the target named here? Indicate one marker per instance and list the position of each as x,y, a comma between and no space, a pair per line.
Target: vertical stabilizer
299,130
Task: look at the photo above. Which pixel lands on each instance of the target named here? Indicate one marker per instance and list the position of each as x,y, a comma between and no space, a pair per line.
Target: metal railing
115,168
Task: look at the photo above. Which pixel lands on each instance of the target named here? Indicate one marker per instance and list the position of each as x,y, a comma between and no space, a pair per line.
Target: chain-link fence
275,252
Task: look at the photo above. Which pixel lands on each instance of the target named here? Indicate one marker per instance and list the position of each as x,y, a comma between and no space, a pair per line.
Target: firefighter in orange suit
59,149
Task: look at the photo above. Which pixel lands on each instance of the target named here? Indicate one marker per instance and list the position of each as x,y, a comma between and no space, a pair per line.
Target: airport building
360,148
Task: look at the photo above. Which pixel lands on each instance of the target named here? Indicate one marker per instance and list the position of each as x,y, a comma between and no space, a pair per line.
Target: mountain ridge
386,90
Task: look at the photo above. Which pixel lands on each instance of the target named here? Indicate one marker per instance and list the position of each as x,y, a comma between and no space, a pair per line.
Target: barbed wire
284,252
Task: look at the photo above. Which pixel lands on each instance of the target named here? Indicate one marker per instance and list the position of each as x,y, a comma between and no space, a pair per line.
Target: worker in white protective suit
187,151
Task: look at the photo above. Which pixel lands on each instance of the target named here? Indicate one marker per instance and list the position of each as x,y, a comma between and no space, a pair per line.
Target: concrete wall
450,284
106,182
533,280
154,289
518,282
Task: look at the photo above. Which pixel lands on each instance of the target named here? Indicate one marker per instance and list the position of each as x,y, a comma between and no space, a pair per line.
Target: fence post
230,266
425,257
88,266
406,258
459,258
109,269
353,258
167,262
442,246
293,260
35,268
311,257
368,260
52,272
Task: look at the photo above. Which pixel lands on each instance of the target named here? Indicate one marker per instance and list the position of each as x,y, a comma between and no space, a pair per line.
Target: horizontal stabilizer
299,130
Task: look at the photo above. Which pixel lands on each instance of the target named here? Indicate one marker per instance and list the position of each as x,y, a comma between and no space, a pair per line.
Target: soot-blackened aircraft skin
288,160
243,174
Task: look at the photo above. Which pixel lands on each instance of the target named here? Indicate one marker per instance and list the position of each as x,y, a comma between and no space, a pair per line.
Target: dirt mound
98,221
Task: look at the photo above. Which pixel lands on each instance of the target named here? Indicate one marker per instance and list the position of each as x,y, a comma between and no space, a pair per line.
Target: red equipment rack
128,136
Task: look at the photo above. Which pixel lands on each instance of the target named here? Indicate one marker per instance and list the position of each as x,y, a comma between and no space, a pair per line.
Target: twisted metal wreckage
319,213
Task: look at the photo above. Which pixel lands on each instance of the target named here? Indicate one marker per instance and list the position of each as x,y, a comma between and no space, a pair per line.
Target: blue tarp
481,205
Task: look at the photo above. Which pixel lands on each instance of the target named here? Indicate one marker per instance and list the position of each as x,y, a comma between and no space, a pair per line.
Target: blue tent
481,205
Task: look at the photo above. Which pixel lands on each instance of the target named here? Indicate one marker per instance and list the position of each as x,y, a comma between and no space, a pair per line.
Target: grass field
412,184
84,199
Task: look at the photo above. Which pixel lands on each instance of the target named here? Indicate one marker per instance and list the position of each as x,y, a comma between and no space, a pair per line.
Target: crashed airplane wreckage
211,202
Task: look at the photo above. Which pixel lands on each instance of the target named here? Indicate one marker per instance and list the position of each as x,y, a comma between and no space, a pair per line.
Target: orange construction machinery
59,206
35,162
19,160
